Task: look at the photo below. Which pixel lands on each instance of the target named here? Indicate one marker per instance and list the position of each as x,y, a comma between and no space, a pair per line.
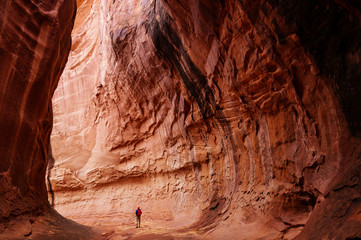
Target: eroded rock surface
237,118
32,41
35,40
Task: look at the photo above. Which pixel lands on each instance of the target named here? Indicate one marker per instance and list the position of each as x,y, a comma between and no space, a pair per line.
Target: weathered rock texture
35,40
34,48
237,118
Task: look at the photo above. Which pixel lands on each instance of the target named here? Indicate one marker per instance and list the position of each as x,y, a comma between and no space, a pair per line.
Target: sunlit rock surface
234,118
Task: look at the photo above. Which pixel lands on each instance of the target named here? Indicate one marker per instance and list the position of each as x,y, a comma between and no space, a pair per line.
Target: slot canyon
221,119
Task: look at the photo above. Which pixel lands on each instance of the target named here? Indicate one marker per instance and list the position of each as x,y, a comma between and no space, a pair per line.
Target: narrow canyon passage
235,119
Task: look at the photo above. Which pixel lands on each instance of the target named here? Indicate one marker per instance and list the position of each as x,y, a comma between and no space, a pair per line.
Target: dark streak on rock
170,48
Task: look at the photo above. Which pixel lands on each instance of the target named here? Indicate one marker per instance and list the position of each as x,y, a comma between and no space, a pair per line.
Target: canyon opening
235,119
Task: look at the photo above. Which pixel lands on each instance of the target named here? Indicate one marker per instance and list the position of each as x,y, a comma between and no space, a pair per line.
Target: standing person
138,213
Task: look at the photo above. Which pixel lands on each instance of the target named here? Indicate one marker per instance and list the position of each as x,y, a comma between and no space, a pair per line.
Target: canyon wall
230,117
35,40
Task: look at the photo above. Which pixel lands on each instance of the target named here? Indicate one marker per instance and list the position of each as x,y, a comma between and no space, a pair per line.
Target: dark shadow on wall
331,33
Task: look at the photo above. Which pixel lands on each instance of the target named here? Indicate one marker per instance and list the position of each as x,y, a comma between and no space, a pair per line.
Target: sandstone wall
35,40
226,116
34,46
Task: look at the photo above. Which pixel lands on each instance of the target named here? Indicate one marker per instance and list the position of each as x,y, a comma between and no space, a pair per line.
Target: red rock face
212,114
232,118
34,49
35,40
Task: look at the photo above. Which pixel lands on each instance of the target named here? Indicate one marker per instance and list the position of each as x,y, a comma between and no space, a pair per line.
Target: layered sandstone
236,118
35,40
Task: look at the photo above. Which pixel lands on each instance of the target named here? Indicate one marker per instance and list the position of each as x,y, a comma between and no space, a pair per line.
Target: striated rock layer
237,118
32,41
35,40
